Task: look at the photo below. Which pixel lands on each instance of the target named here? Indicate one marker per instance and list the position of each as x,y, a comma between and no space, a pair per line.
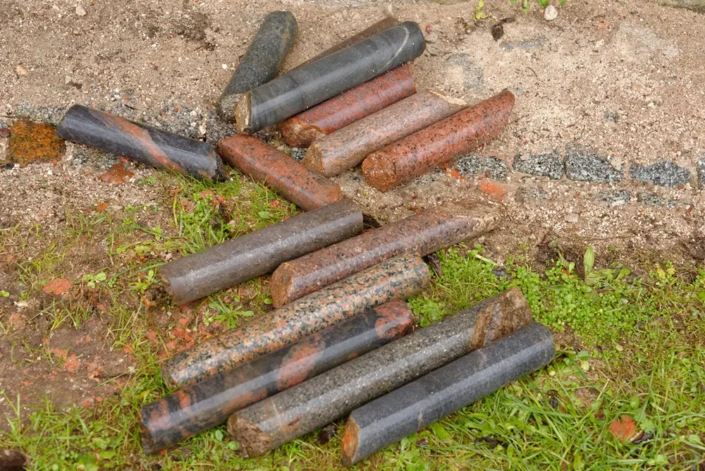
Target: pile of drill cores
341,341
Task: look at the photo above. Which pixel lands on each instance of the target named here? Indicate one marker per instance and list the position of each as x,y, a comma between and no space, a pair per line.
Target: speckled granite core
415,406
439,143
306,189
391,280
347,108
210,402
422,233
346,148
327,397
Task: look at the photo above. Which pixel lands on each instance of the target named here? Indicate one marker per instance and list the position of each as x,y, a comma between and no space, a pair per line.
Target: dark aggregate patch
652,199
529,44
527,193
615,197
662,174
297,153
611,116
490,167
587,166
541,165
701,172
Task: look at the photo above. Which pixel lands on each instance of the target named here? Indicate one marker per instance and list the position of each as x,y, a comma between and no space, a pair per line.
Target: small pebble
431,37
80,11
572,218
550,13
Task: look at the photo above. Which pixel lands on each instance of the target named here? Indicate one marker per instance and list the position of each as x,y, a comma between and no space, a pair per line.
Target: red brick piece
306,189
438,143
301,130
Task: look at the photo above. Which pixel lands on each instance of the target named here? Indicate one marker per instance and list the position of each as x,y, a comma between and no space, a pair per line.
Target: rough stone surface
542,165
528,193
586,166
298,153
661,173
652,199
490,167
615,197
695,5
701,172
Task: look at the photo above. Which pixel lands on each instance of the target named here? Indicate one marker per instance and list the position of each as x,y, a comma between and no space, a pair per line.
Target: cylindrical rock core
329,396
306,189
394,279
438,143
144,144
262,60
257,253
300,89
301,130
381,25
209,403
347,147
406,410
422,233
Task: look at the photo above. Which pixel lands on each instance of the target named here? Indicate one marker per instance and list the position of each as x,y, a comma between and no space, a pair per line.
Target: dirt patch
622,79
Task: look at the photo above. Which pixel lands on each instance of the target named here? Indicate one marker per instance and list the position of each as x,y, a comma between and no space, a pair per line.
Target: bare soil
625,78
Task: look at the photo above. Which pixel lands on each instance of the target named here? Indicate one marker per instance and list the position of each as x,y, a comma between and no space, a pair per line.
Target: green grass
630,346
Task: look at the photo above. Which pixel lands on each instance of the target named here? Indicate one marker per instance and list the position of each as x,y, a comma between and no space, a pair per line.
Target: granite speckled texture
422,233
306,189
209,403
438,143
302,88
327,397
391,280
257,253
262,60
144,144
344,149
406,410
304,128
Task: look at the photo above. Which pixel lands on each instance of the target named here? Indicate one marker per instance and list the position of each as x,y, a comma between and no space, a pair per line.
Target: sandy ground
625,78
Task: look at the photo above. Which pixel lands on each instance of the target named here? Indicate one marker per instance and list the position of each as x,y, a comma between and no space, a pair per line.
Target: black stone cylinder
257,253
144,144
329,76
413,407
262,61
192,410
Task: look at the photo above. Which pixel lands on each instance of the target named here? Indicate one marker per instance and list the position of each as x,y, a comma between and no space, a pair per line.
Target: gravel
541,165
701,173
661,173
652,199
587,166
528,193
615,197
491,167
